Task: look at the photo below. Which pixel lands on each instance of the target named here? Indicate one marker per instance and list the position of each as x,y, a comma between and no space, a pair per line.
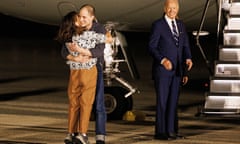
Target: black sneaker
81,139
100,142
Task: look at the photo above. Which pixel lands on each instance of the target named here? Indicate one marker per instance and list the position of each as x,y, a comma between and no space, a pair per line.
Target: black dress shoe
161,137
180,136
175,136
164,137
172,136
100,142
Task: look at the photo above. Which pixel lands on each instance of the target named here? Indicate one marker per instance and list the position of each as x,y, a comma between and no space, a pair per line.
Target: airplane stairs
223,97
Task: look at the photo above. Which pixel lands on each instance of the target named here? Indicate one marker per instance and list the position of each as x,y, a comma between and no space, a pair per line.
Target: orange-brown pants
81,93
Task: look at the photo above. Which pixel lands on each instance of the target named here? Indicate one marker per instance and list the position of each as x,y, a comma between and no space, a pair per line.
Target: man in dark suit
170,49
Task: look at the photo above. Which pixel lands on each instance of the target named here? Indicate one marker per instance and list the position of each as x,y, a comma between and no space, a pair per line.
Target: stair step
233,22
231,37
229,53
234,9
225,85
223,78
226,62
222,102
227,112
224,95
227,69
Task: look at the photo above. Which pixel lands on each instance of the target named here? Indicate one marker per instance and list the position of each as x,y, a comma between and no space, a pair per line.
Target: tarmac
34,103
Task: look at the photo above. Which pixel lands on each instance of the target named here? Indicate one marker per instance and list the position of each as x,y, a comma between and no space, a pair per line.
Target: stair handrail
218,25
200,29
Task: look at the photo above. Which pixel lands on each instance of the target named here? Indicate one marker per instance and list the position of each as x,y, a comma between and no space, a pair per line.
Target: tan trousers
81,93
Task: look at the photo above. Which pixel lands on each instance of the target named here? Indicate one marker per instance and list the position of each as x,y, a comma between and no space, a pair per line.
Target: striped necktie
175,33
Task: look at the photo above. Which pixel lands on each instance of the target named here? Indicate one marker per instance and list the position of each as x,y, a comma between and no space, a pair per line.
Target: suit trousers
81,93
167,89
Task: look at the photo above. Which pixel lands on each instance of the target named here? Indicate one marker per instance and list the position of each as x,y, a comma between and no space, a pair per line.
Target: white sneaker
68,139
81,139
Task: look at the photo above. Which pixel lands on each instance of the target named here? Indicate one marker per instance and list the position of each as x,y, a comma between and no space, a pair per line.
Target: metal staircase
223,97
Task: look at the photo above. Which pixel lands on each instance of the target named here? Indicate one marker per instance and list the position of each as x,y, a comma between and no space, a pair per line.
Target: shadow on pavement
15,95
16,142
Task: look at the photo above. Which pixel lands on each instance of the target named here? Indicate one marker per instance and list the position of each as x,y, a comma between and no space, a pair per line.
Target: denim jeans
100,111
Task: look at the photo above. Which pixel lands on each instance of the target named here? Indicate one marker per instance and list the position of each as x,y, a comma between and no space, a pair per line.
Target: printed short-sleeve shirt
88,40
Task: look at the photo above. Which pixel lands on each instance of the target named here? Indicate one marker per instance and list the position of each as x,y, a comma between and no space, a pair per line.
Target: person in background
170,49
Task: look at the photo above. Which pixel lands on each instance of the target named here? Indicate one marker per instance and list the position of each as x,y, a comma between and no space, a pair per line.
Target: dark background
14,28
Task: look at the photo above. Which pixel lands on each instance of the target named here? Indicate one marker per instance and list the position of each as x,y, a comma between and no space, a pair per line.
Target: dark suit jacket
162,45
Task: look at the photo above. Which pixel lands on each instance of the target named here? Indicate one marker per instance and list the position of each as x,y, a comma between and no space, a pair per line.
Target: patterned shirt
88,40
